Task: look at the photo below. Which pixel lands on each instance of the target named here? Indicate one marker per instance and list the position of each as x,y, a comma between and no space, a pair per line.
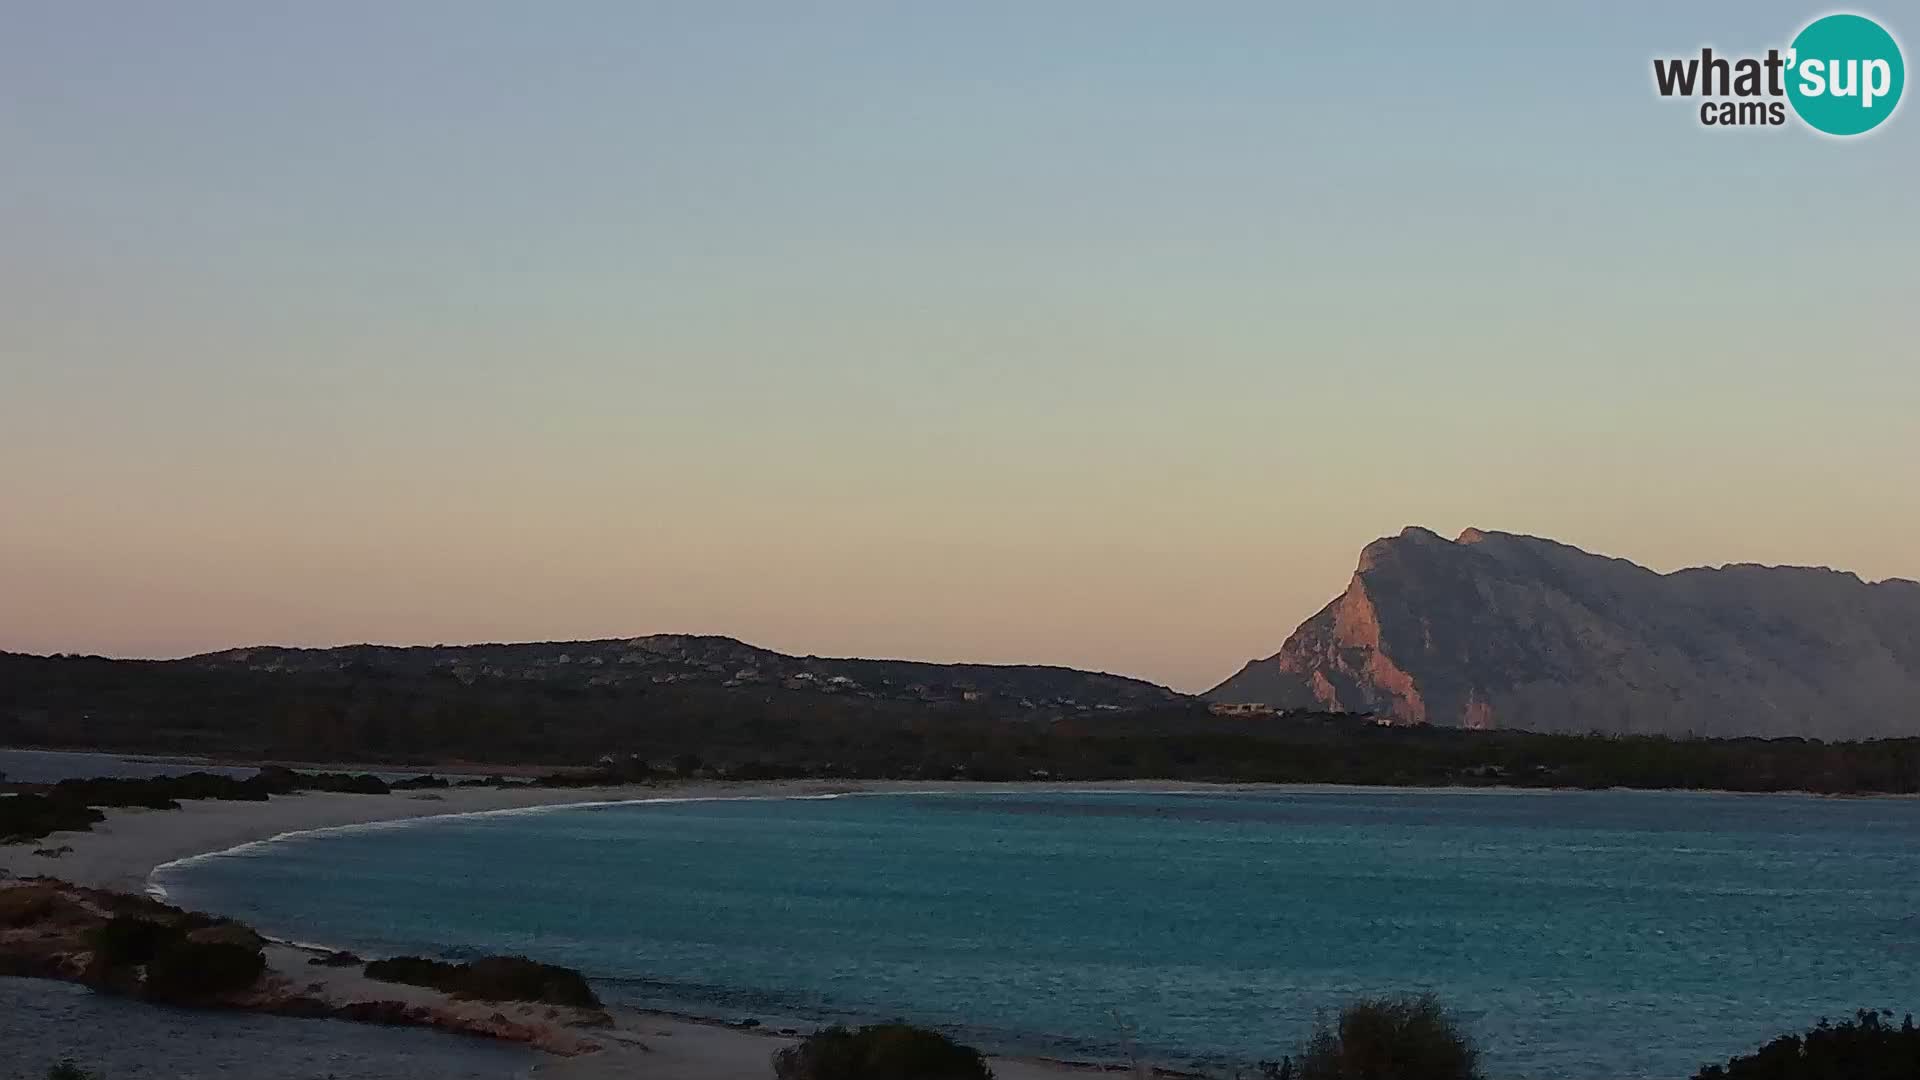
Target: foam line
158,891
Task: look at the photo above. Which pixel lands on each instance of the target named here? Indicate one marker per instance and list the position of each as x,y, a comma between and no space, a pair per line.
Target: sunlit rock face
1500,630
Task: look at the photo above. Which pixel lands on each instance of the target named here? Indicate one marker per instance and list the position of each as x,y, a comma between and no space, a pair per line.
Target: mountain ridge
1499,629
710,659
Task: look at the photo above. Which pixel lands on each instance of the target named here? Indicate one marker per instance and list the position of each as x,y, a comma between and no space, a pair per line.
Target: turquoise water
1603,934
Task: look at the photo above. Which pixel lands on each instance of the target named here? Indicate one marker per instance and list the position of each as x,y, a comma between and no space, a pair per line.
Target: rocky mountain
689,660
1500,630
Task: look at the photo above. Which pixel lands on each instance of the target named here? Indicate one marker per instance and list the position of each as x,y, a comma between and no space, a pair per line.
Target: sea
44,1023
52,766
1607,934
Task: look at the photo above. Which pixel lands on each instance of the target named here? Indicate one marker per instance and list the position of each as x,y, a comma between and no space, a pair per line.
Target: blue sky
1101,334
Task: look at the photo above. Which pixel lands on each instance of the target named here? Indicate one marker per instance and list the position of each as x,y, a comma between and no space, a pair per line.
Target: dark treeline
1867,1047
768,732
31,811
492,978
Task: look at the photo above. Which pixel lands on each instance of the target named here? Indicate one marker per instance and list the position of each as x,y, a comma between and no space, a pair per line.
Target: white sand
121,852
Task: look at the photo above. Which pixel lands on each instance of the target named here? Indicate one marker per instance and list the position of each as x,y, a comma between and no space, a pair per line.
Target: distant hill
704,660
1496,630
660,707
655,698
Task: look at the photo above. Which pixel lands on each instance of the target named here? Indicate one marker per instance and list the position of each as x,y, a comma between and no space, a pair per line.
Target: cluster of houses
1260,708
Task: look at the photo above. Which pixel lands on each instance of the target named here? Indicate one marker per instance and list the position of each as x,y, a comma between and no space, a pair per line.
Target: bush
185,971
67,1070
337,958
127,941
495,978
421,782
145,907
28,816
513,978
24,905
1864,1048
224,932
72,805
186,956
415,971
880,1052
1408,1037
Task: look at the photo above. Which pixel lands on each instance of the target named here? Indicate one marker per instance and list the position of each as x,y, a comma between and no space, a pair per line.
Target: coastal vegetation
140,947
1299,749
1867,1047
184,970
173,956
494,978
643,730
26,817
879,1052
129,945
74,805
1405,1037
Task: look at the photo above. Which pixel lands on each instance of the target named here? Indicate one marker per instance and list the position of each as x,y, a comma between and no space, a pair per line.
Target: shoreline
127,851
124,853
863,786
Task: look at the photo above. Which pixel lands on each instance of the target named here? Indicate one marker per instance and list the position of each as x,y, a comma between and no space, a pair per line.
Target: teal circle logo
1845,74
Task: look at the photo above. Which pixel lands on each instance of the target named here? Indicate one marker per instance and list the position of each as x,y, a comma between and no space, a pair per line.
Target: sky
1089,333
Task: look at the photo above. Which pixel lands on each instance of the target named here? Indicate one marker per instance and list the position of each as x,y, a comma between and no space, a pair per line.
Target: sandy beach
122,852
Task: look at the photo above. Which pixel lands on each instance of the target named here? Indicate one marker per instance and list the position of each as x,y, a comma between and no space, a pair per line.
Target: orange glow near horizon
983,333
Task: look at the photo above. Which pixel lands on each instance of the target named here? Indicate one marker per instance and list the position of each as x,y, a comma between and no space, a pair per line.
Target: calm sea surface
52,766
42,1023
1605,934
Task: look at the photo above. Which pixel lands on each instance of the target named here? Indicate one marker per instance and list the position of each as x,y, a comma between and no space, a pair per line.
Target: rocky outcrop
121,944
1500,630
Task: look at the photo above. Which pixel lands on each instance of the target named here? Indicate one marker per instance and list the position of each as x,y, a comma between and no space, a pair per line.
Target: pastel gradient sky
1100,334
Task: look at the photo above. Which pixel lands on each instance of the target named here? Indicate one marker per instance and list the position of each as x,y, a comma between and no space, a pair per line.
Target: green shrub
495,978
880,1052
1408,1037
126,941
24,905
67,1070
1864,1048
222,931
73,805
186,971
513,978
415,971
145,907
28,816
